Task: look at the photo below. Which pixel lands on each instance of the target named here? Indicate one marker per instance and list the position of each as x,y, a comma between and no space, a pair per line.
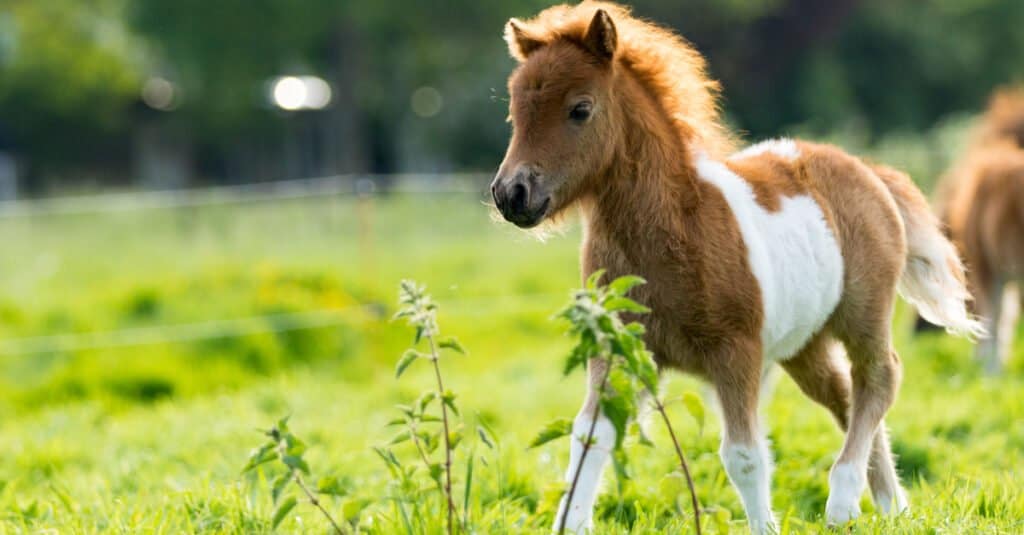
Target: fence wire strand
343,185
220,328
282,190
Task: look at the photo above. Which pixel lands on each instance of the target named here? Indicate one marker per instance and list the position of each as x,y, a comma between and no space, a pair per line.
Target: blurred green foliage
67,73
173,269
71,71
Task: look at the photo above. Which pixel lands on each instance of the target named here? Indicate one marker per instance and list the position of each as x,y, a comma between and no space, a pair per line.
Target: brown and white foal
780,253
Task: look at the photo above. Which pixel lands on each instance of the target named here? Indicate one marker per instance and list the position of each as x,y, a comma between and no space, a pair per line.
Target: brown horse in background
782,253
982,202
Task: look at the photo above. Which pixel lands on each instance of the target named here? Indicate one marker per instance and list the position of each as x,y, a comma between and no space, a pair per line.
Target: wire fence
265,192
261,192
223,328
181,332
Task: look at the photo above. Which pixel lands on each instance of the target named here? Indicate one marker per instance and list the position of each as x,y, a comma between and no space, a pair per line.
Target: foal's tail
933,279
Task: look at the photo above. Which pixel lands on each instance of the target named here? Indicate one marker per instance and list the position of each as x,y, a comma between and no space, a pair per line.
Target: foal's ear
520,42
601,38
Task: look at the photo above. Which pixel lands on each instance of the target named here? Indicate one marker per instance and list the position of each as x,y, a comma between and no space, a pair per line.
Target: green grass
152,438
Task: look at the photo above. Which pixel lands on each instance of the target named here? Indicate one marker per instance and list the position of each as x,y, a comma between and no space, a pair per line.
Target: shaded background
420,86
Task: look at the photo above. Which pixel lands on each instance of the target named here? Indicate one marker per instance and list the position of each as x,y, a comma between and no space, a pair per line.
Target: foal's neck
650,186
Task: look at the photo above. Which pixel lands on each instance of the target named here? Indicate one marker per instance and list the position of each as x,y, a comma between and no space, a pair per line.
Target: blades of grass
469,486
405,517
282,511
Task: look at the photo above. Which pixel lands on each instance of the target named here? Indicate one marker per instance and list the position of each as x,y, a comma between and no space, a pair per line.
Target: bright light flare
301,93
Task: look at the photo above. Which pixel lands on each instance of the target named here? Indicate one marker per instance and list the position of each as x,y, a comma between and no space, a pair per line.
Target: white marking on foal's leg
749,468
581,512
846,483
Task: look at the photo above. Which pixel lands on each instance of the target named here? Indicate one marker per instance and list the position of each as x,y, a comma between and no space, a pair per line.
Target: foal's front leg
581,510
745,454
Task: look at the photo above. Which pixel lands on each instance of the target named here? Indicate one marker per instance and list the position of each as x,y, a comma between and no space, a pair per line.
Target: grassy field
191,328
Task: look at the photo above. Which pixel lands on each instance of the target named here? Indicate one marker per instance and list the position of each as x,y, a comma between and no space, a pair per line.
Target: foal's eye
581,111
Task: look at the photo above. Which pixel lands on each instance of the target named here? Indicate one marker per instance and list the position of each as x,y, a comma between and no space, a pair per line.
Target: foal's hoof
846,483
840,510
891,506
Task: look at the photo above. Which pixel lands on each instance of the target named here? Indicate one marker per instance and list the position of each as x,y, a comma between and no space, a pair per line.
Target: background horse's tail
933,279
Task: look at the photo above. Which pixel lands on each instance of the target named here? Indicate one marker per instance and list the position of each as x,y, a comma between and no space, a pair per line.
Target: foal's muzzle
520,198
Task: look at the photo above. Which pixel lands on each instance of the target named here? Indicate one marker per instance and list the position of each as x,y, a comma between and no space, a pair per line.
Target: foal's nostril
517,201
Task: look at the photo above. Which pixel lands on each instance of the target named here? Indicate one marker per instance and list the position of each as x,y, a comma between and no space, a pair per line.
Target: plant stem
315,501
297,476
447,436
419,447
682,463
586,447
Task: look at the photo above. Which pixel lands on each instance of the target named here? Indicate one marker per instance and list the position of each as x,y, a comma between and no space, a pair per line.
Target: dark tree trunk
345,149
775,41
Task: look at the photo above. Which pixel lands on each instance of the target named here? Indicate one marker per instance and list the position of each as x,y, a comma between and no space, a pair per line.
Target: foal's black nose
512,193
518,197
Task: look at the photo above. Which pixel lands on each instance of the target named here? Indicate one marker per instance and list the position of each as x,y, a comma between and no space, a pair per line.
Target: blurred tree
71,72
909,63
67,78
221,56
887,65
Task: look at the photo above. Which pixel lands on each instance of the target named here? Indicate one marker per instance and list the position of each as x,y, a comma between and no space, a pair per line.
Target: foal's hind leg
875,372
886,491
822,373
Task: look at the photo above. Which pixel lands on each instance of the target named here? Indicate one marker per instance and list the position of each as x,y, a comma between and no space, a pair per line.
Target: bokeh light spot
426,102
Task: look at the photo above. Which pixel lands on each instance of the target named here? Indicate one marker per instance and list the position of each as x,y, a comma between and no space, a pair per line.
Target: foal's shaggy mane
669,67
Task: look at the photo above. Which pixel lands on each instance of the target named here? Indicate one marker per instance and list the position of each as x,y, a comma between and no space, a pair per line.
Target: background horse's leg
990,304
745,455
581,511
1010,313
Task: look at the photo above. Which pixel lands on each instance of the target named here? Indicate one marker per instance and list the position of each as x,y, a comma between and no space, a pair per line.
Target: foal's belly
793,255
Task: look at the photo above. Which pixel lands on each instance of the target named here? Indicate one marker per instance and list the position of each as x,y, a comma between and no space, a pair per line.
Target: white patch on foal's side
783,147
793,254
